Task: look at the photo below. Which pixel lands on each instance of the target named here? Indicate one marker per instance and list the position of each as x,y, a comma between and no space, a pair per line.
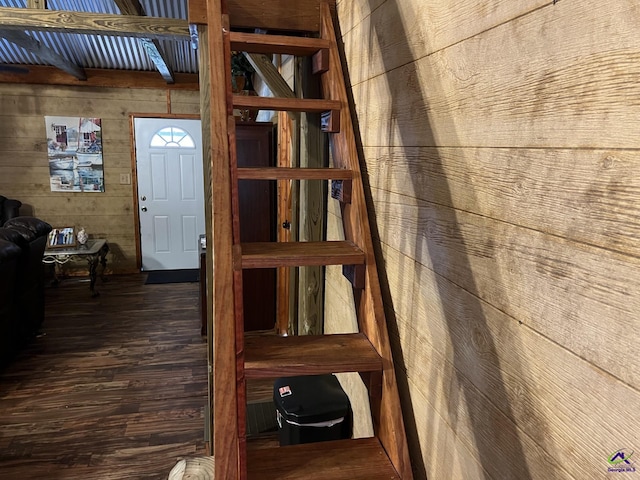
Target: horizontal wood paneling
24,172
500,143
495,356
543,281
591,196
515,86
426,28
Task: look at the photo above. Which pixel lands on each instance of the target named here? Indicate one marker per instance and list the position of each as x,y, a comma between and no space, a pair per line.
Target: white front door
170,191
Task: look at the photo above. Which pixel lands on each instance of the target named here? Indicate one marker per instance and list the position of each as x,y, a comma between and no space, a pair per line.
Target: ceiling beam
43,53
88,23
151,46
97,77
130,7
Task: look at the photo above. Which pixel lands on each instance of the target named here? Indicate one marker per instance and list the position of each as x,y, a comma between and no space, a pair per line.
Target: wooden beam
197,12
272,15
269,73
386,413
37,4
278,44
151,46
285,104
130,7
90,23
43,53
42,75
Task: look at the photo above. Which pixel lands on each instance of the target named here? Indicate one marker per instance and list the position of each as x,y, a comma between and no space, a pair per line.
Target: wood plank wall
24,172
501,144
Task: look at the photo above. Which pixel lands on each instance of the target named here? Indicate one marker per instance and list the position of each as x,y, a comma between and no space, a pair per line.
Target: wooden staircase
236,358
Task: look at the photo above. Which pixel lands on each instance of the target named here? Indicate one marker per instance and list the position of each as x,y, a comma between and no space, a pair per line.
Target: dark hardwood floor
114,388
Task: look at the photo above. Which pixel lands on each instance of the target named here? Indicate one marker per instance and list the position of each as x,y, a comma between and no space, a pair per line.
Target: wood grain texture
284,173
272,16
276,44
589,196
275,356
225,415
579,296
125,403
500,144
521,96
101,78
91,23
339,460
547,399
207,172
426,28
275,15
388,419
264,67
285,104
292,254
313,144
285,135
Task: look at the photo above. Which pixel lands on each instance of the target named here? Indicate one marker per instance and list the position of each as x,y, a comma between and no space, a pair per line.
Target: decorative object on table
74,150
241,70
247,114
63,237
82,237
242,84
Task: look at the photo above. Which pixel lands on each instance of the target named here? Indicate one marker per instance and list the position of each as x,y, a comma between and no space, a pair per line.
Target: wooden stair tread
258,43
298,254
362,458
286,173
285,104
270,357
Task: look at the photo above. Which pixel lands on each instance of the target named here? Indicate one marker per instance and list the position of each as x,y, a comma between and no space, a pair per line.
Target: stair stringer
386,409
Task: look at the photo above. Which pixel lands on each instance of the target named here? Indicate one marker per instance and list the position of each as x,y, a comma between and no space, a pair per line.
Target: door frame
134,170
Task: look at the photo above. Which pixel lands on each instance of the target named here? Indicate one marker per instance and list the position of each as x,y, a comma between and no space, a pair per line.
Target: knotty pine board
591,196
532,82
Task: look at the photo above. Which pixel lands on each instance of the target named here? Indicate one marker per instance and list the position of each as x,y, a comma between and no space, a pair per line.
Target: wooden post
42,4
313,194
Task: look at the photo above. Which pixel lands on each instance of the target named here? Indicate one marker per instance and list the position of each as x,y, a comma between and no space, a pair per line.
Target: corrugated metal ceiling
98,51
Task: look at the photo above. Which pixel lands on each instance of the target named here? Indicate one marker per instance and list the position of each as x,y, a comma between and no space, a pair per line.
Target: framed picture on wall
74,151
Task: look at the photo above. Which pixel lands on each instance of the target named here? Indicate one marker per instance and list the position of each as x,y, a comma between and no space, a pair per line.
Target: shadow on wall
433,237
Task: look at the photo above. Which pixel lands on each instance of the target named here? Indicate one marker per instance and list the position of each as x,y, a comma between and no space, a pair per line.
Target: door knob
144,209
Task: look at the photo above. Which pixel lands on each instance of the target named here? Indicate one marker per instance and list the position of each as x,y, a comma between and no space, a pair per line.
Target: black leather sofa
22,244
9,208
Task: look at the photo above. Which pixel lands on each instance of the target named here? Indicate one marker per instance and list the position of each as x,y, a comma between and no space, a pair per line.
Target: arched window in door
172,137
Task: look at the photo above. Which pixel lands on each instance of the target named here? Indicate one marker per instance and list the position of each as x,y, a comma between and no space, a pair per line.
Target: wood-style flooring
114,388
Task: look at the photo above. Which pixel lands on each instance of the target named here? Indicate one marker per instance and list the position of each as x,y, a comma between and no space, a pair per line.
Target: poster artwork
74,151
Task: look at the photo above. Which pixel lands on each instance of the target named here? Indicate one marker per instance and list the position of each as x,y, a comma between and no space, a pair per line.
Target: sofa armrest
37,227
